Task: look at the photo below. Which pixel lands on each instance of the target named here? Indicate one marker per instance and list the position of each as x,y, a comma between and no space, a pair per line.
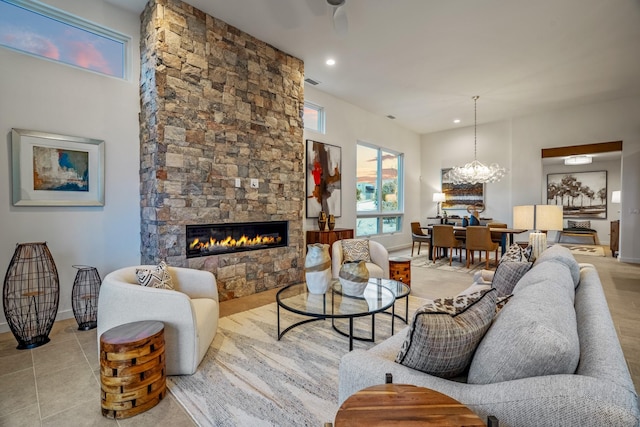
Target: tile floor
58,384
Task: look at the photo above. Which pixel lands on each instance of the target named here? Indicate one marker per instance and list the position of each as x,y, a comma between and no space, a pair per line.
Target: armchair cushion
579,224
155,277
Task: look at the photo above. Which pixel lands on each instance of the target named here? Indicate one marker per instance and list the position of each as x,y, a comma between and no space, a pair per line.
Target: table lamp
615,196
439,198
540,218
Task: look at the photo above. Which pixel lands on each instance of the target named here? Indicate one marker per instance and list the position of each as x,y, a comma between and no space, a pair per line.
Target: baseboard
62,315
629,260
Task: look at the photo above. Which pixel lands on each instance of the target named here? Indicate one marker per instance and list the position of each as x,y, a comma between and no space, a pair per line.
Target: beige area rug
592,250
442,264
249,378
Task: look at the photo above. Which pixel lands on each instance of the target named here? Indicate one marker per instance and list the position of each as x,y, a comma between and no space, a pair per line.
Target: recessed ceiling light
331,62
578,160
456,120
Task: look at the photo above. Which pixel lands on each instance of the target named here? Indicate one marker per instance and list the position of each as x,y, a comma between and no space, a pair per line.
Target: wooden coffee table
403,404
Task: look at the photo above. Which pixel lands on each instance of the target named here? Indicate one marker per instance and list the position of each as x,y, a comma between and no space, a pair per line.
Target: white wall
46,96
347,124
517,143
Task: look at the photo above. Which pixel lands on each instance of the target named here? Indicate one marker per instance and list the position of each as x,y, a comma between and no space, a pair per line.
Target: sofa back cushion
562,255
444,333
534,334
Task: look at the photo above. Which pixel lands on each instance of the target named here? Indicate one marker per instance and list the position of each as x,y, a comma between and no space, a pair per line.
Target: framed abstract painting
462,196
324,179
56,170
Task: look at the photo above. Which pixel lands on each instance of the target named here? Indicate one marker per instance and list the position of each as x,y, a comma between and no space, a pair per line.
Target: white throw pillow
156,277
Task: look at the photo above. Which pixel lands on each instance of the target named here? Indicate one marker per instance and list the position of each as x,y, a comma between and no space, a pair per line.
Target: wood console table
328,237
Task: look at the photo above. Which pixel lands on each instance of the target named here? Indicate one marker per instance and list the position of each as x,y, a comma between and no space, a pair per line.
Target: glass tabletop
399,289
296,298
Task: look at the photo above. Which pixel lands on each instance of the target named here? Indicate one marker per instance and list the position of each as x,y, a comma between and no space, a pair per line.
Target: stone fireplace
221,143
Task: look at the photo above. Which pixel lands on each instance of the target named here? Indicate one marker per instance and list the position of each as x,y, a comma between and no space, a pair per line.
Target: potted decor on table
317,268
322,220
353,277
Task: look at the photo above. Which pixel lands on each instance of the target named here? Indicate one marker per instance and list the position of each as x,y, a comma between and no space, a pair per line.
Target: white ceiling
422,60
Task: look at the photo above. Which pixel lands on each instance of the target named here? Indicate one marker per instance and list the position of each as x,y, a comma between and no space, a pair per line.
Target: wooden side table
400,269
393,404
132,368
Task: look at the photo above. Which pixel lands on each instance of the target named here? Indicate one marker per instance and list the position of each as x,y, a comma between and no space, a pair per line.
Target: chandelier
475,172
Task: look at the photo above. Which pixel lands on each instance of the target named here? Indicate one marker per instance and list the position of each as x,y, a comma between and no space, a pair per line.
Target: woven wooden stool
132,368
400,270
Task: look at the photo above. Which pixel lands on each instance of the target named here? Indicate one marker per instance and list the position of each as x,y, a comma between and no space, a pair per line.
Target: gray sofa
557,318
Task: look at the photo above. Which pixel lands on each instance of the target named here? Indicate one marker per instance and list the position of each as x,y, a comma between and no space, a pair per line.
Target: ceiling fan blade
340,22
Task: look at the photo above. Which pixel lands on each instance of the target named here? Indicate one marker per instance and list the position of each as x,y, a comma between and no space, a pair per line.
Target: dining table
506,236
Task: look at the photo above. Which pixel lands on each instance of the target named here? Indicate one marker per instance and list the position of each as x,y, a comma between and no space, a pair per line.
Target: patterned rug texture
442,264
249,378
593,250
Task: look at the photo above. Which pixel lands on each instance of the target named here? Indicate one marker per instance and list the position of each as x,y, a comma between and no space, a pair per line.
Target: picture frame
49,169
462,196
324,179
581,194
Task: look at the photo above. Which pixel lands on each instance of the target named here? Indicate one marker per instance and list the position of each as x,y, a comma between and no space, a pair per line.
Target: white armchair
189,313
378,267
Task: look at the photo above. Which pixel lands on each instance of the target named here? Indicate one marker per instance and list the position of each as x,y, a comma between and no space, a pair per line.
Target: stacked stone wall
218,104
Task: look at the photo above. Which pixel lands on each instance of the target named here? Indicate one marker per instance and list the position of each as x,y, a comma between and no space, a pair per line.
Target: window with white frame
379,190
313,117
40,30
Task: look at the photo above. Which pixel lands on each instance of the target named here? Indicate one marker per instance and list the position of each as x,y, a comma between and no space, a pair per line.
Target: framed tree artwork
324,179
581,194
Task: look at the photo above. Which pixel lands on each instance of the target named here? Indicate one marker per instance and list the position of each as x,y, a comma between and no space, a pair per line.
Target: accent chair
190,312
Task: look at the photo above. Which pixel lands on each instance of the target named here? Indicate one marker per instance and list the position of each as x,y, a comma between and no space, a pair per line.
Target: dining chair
443,237
496,236
417,236
479,239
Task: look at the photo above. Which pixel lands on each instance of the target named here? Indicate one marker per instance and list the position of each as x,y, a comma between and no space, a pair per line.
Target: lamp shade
538,217
439,197
616,196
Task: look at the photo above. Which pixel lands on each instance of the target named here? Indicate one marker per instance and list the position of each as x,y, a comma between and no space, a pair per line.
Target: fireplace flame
230,242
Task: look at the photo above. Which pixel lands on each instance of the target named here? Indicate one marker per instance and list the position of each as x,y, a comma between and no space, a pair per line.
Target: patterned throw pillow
155,277
501,302
355,250
444,333
508,274
579,224
514,253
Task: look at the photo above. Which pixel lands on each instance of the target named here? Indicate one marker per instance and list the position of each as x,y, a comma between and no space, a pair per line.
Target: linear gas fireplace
216,239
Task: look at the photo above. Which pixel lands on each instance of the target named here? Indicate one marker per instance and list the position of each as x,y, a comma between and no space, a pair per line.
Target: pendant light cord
475,127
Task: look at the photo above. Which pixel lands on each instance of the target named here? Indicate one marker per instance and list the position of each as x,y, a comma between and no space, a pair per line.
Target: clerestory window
46,32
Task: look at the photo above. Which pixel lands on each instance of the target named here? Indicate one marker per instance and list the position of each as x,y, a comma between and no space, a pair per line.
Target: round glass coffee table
333,305
400,291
